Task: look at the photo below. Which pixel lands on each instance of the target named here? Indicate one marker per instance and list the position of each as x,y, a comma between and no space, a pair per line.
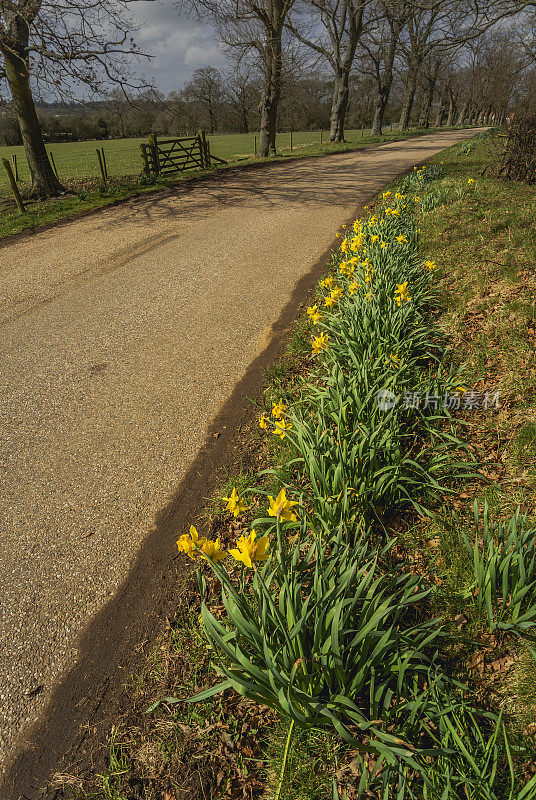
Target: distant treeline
208,101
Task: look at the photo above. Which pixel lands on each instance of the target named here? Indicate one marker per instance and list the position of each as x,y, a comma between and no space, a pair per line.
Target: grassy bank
78,170
404,492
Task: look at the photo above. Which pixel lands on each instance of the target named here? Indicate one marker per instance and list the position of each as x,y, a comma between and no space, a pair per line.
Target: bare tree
206,88
56,43
246,26
243,93
380,46
336,42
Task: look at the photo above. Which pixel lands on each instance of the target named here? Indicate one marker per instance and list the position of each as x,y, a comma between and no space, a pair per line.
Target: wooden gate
163,156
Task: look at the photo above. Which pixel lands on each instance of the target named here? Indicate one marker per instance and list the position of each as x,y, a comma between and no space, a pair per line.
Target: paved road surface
121,336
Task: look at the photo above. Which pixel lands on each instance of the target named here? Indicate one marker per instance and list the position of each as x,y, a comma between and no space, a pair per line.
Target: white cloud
179,45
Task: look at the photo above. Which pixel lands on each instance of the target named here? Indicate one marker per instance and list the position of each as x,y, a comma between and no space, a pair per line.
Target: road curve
122,335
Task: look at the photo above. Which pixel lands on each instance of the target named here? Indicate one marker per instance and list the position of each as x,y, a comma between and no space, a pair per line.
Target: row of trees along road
448,46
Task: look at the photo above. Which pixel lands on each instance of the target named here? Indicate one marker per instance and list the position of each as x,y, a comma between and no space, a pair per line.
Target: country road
122,336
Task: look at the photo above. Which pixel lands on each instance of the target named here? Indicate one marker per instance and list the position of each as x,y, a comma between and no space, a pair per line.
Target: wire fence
76,161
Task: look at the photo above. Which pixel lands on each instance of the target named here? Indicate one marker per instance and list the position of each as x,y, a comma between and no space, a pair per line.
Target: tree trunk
339,105
462,114
409,98
44,181
271,95
380,104
440,115
424,118
452,109
385,82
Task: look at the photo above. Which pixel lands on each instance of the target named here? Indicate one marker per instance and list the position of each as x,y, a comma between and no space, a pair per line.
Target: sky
178,43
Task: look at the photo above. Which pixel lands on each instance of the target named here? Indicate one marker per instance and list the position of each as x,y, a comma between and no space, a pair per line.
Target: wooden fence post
255,143
143,149
321,135
105,165
153,141
13,182
15,167
203,148
101,166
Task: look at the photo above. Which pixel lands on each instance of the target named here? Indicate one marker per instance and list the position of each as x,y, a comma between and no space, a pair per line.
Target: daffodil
401,293
336,292
471,181
358,226
345,247
353,286
212,550
402,239
190,543
326,282
383,245
320,343
396,212
386,195
234,504
329,301
278,409
281,507
394,359
314,314
357,243
281,427
417,199
263,422
431,266
368,296
248,550
374,238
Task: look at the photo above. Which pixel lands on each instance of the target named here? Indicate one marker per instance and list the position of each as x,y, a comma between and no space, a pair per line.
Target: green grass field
123,157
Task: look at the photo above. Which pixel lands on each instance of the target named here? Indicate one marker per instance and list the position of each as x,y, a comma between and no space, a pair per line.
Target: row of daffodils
319,624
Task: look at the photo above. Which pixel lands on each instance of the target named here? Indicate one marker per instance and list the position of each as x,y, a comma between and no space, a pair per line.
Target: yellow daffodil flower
345,247
471,181
386,195
353,286
417,199
212,550
234,504
401,293
402,239
374,238
431,266
368,296
329,301
190,543
383,245
281,427
394,359
320,343
281,507
326,282
263,422
314,314
278,409
248,551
